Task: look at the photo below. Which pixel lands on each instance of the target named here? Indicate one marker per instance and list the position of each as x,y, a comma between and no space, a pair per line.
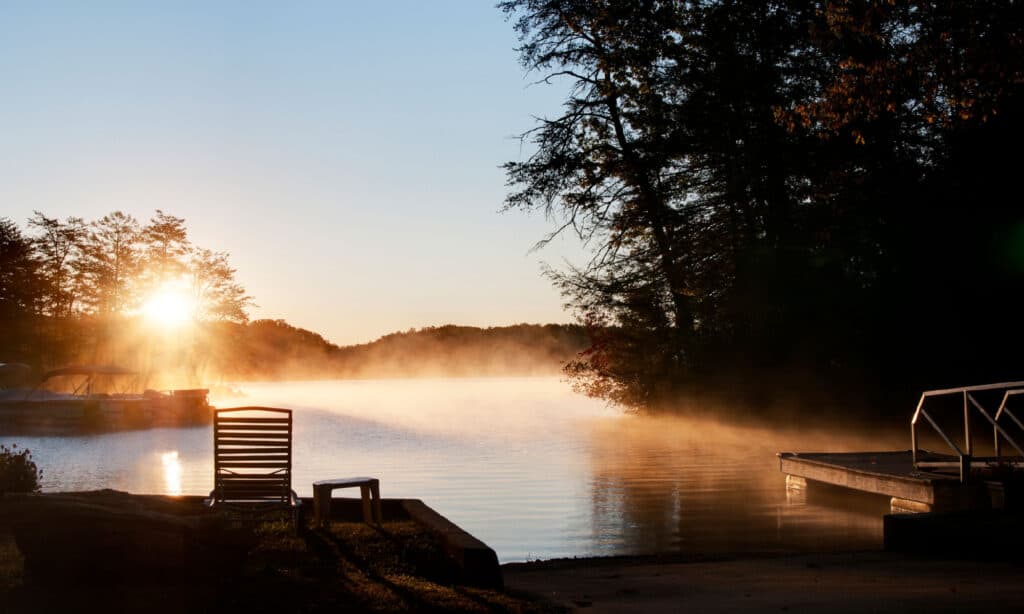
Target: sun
169,307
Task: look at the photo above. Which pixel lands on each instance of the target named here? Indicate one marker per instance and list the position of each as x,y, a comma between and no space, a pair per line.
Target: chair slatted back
252,455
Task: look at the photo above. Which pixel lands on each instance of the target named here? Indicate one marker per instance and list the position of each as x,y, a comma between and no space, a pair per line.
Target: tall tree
59,245
606,165
668,160
110,263
20,281
166,245
782,186
216,293
931,93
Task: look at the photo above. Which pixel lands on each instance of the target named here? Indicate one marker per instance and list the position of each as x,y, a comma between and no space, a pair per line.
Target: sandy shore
833,583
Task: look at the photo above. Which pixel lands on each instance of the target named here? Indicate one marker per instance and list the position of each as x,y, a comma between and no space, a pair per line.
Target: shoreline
745,581
837,582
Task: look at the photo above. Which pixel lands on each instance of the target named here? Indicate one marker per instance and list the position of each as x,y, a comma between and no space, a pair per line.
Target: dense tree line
782,196
274,349
77,291
68,288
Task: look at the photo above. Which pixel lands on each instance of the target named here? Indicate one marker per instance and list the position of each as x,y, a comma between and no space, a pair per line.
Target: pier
884,473
919,480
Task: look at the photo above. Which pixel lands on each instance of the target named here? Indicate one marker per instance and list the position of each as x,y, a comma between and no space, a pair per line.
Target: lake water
525,464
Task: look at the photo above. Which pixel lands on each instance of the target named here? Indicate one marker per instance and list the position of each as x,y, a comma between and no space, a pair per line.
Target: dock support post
796,489
965,468
903,506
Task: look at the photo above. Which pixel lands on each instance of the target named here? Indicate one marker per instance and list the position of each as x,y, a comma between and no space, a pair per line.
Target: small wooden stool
367,486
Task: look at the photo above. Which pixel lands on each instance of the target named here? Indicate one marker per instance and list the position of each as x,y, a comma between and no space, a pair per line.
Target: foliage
107,267
57,246
166,244
779,188
69,289
273,349
18,270
217,295
18,472
109,264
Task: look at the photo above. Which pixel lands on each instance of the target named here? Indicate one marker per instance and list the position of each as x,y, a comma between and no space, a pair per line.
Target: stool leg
375,489
364,492
322,506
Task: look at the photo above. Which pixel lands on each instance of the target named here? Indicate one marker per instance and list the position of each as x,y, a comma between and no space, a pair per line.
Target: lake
525,464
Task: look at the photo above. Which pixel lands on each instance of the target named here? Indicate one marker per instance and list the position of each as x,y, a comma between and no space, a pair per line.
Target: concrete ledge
476,559
63,534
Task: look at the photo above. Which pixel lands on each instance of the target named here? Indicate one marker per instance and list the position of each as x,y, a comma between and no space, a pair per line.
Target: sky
346,154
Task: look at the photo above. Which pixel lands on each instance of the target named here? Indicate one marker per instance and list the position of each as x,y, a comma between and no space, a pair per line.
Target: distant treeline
273,349
112,266
97,292
103,291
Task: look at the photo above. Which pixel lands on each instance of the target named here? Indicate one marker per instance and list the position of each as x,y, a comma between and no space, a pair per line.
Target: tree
20,282
931,93
669,162
779,187
110,264
217,296
607,164
58,245
166,245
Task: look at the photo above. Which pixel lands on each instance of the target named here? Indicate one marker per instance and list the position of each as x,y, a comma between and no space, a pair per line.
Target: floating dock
891,474
921,481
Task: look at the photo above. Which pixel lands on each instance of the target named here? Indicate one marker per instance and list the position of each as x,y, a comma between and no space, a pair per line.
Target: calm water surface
525,464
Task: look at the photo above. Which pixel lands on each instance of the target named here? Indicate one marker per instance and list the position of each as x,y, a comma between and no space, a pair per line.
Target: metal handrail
1003,409
1011,388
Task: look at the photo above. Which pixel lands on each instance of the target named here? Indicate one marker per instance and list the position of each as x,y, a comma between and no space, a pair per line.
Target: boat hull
70,416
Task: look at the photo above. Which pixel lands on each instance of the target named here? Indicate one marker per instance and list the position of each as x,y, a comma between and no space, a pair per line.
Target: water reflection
698,486
523,463
172,472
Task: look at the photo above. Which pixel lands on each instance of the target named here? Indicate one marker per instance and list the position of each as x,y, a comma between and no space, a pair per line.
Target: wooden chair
252,460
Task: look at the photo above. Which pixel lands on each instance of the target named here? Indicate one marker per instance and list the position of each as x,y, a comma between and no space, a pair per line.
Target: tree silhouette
217,295
110,264
779,189
58,245
166,248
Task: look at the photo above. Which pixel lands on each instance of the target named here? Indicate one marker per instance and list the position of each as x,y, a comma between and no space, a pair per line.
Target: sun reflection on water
172,472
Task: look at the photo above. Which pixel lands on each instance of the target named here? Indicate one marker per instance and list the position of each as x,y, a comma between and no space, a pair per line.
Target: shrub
18,472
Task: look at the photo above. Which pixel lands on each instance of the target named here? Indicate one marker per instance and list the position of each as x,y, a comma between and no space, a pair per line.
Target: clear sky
346,154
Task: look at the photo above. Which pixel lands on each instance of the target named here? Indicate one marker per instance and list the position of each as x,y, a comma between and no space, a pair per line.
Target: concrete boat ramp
918,480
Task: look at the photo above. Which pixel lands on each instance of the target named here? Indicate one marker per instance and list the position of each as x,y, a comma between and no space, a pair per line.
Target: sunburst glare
170,306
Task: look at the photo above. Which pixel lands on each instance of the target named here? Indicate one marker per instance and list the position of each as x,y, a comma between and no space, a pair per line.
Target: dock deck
885,473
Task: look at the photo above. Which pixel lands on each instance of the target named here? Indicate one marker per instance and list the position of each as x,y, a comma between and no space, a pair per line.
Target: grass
348,567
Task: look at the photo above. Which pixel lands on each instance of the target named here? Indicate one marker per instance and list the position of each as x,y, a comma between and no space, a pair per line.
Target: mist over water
525,464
